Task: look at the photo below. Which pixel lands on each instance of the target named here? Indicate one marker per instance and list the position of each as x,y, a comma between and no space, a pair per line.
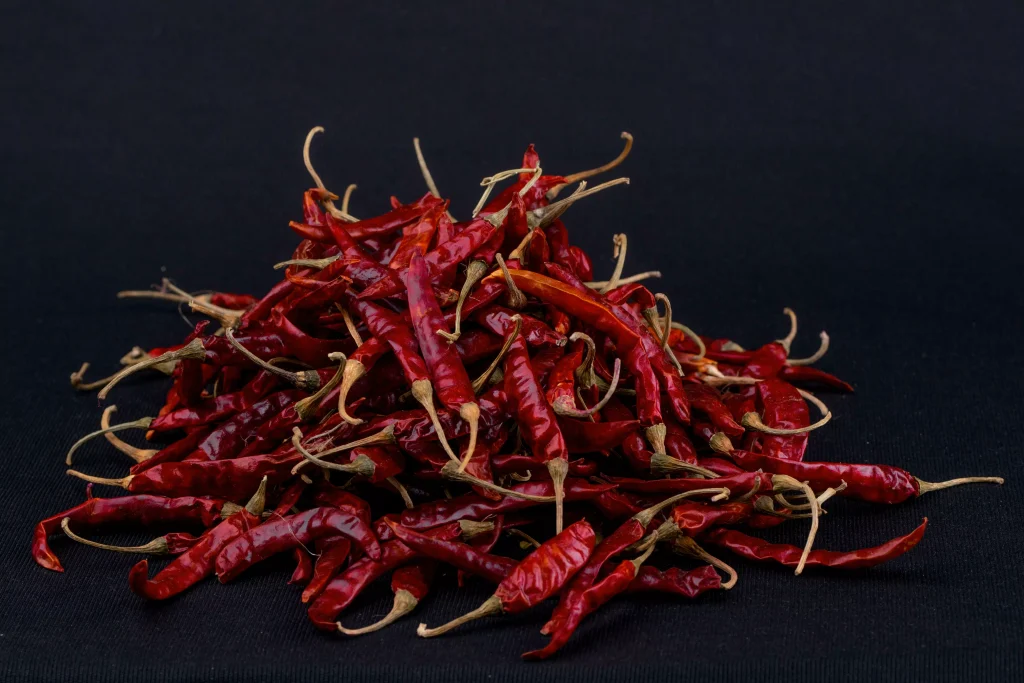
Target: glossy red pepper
492,568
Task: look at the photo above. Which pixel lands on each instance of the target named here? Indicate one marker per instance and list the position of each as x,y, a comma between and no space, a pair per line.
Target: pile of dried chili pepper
417,388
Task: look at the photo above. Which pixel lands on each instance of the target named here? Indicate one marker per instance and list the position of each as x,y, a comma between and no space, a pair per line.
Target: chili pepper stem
327,195
564,406
225,317
720,443
583,175
423,392
304,380
646,516
451,471
404,603
489,182
558,469
470,412
694,337
527,538
402,491
662,463
813,532
123,482
141,423
348,196
136,454
816,356
546,215
317,263
687,546
787,341
354,370
360,465
639,277
350,325
158,546
656,435
474,271
585,374
471,528
928,486
491,606
307,407
79,375
194,350
259,499
516,298
482,380
753,421
619,242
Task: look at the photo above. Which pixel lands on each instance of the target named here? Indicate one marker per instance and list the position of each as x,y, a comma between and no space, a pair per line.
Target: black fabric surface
862,165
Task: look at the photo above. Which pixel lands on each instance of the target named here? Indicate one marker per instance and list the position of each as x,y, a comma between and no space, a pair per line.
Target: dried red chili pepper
139,509
334,551
451,382
789,555
197,563
492,568
410,585
542,574
675,581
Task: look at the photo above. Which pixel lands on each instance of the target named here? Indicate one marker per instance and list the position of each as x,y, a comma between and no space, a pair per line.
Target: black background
861,164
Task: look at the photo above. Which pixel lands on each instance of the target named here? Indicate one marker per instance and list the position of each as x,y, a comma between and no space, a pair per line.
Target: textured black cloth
861,165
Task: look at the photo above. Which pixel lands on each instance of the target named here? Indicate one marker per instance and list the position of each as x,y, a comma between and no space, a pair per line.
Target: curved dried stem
687,546
123,482
817,402
520,252
77,377
451,471
427,177
815,513
662,464
193,350
307,407
666,332
136,454
405,602
480,382
646,516
328,196
470,412
353,370
929,486
694,337
619,244
317,263
348,196
402,491
474,271
753,421
305,380
529,540
787,341
817,355
423,392
646,275
158,546
489,182
491,606
546,215
516,298
141,423
732,346
360,465
585,374
583,175
572,411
